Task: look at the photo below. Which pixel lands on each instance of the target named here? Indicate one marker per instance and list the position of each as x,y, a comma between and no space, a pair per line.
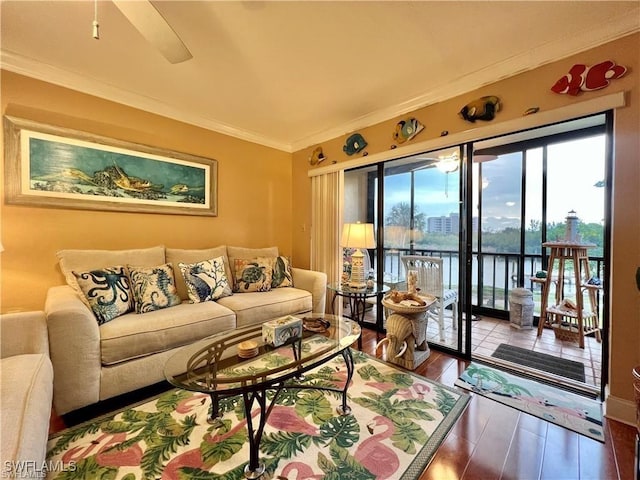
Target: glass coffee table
215,365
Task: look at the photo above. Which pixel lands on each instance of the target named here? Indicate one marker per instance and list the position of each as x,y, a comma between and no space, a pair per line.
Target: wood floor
493,441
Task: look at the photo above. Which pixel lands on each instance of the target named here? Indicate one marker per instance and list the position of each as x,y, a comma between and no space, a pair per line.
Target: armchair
26,378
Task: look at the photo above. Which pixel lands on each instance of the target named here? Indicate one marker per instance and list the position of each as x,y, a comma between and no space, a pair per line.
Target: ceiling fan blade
152,25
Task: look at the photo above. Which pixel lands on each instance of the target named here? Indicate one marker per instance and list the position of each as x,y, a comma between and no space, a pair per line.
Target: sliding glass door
485,216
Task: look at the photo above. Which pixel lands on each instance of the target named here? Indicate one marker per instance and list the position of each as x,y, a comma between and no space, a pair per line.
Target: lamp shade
358,235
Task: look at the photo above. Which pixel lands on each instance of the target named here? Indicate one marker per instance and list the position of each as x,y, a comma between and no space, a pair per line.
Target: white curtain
327,192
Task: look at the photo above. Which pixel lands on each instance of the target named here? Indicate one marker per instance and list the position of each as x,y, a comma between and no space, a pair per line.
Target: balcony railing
492,278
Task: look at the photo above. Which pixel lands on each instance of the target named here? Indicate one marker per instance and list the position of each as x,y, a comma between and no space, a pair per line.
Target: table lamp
358,236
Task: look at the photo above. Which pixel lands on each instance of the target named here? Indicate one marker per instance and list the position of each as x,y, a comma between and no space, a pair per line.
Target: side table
357,298
407,332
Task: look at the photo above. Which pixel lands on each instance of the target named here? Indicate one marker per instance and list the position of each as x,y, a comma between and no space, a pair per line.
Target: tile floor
488,333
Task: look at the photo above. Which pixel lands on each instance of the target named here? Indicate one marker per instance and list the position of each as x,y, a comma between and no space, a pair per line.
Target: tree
400,215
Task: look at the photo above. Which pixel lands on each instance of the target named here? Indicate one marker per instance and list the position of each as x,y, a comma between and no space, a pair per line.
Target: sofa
93,362
26,391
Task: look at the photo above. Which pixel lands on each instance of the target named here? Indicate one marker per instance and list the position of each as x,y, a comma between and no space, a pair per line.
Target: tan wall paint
519,93
254,192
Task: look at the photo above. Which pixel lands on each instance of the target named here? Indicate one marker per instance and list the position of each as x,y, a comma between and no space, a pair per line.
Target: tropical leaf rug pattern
569,410
398,421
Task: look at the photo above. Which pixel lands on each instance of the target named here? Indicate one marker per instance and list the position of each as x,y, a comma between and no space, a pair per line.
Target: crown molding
547,53
48,73
608,31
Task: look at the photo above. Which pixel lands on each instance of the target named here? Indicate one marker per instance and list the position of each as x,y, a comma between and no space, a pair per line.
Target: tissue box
277,332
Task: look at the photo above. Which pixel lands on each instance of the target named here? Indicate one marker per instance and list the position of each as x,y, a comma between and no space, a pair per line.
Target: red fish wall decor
585,79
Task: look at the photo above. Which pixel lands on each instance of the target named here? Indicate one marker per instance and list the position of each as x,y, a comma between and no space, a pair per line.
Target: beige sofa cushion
257,307
132,335
180,255
85,260
25,396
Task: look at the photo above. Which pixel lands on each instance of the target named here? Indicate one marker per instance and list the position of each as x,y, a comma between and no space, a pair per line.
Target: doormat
568,410
398,421
541,361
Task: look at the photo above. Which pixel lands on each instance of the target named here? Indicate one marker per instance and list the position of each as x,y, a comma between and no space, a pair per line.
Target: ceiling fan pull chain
96,33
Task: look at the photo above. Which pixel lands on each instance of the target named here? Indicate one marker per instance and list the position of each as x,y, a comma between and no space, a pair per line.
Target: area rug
398,421
541,361
569,410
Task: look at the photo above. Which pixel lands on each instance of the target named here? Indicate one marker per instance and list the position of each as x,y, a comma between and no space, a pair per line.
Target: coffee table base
253,474
255,469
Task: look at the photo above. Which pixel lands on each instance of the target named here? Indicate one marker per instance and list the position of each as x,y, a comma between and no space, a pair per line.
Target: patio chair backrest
430,273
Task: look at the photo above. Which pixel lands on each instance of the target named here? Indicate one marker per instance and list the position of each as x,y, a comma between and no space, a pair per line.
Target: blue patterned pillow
282,276
107,291
153,288
206,280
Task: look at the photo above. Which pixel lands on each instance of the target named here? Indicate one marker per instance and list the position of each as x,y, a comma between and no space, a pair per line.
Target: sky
574,170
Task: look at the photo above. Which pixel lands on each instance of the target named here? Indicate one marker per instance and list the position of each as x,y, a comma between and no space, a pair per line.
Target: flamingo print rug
569,410
398,421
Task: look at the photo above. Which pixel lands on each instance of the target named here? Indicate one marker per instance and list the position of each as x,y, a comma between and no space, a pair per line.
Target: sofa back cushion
86,260
175,256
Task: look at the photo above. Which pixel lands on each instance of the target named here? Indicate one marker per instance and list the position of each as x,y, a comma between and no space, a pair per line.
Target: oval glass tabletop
219,364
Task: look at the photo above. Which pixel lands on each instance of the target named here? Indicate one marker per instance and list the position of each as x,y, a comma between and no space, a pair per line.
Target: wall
254,193
519,93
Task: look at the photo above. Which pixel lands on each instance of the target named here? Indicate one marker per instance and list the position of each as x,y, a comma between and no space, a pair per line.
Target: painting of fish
484,108
54,166
586,79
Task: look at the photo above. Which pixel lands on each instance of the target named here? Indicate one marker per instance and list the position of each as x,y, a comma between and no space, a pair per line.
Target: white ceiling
292,74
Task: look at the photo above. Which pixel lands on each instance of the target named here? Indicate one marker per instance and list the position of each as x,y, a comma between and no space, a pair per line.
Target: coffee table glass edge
213,366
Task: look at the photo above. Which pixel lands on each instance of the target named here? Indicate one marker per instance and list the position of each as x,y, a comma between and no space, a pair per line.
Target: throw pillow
282,276
243,252
177,255
206,280
253,275
153,288
107,291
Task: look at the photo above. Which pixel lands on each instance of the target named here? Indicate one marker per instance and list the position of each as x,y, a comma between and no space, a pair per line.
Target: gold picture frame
49,166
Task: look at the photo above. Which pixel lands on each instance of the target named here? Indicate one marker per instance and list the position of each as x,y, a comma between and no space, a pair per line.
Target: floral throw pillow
253,275
154,288
107,292
282,276
206,281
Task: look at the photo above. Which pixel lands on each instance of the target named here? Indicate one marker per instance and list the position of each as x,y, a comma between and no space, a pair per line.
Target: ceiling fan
153,26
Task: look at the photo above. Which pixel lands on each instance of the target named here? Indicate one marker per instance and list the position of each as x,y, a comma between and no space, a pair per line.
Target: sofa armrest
23,332
74,343
314,282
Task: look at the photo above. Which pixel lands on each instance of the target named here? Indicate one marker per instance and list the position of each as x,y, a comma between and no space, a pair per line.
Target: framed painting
57,167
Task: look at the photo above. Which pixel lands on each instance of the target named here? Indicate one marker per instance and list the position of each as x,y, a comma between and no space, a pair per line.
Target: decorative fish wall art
407,129
484,108
354,144
586,79
316,156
